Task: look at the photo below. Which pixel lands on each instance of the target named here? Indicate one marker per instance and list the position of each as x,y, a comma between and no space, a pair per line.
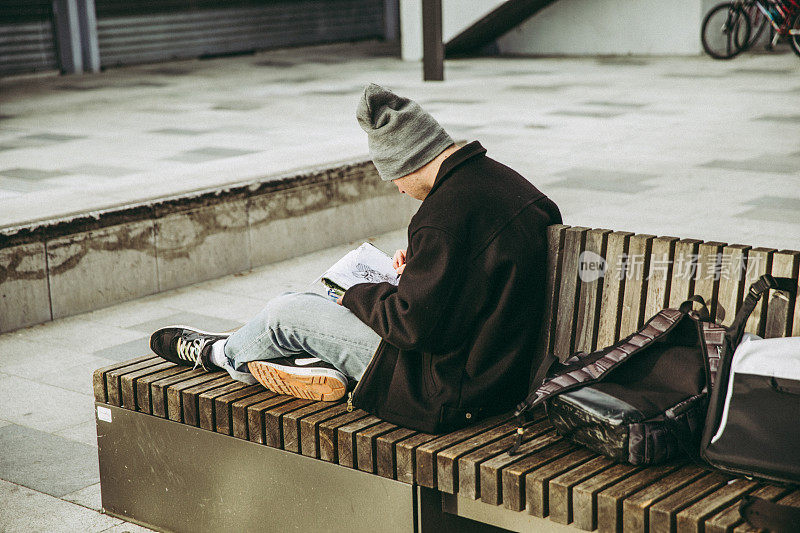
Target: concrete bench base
167,475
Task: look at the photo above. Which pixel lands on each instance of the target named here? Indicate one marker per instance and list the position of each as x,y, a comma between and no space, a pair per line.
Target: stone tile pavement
49,479
684,146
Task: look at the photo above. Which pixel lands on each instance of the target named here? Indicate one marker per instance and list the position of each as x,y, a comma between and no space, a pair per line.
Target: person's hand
339,299
399,261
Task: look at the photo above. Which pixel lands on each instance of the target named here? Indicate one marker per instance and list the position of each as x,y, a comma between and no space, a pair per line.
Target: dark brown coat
459,330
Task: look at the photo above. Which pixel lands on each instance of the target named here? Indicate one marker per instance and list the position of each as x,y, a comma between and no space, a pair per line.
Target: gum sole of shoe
319,388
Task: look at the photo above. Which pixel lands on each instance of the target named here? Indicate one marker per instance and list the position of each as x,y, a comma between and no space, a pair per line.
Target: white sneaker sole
320,384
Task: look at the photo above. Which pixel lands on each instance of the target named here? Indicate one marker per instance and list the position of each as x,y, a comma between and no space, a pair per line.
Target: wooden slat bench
186,450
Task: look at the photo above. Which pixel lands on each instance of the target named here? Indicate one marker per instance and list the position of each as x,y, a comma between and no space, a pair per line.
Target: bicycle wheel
794,34
726,31
758,23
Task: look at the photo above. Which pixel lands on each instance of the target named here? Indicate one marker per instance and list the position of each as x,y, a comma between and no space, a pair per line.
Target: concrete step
70,265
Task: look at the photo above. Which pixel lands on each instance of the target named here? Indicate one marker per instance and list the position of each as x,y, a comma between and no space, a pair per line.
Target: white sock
218,354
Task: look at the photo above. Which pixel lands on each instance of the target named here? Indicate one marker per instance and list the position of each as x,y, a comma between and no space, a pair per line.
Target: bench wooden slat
158,389
468,467
190,398
589,296
709,256
273,419
328,449
780,310
174,392
613,289
254,429
514,474
406,456
555,246
574,241
663,513
239,418
446,468
366,454
205,403
144,400
759,262
537,481
425,454
684,267
223,407
113,385
635,508
560,488
309,425
792,500
725,520
659,275
692,519
346,439
291,424
635,291
386,451
127,383
731,282
609,500
491,470
584,494
99,377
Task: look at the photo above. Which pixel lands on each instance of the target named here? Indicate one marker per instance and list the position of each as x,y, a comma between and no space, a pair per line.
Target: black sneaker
303,377
183,345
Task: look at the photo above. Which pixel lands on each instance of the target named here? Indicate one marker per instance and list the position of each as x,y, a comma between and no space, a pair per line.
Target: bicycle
727,28
758,23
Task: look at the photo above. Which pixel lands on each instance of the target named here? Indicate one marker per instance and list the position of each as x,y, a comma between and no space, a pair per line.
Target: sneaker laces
190,351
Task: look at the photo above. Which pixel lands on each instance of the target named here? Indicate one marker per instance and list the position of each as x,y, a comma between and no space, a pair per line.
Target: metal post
432,46
68,39
87,19
391,20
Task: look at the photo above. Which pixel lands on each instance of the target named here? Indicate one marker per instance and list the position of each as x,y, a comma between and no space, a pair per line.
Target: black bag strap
704,314
764,514
762,285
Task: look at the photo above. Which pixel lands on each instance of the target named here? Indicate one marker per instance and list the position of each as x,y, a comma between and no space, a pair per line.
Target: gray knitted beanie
401,136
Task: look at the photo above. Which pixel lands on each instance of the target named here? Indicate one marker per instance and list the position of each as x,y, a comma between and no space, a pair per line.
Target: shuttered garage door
139,31
27,41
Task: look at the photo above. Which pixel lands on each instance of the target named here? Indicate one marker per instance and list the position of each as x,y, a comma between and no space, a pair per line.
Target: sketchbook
365,264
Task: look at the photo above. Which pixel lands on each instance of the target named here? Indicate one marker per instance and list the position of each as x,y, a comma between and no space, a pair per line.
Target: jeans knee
286,309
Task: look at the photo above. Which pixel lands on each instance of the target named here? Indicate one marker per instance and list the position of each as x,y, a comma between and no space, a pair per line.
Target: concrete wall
575,27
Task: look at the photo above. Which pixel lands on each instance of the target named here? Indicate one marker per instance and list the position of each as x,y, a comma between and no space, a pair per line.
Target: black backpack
642,400
761,436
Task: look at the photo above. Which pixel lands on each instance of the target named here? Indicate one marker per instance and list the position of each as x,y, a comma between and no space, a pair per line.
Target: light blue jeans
300,323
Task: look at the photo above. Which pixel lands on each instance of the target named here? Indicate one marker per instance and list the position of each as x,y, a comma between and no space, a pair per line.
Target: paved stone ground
49,478
680,146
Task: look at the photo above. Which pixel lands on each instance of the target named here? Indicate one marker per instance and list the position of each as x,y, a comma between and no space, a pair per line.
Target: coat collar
464,153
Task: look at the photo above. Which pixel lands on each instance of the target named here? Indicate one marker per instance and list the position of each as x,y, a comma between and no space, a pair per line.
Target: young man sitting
455,340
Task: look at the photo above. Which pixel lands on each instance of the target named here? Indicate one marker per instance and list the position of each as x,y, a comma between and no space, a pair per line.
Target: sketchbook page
365,264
